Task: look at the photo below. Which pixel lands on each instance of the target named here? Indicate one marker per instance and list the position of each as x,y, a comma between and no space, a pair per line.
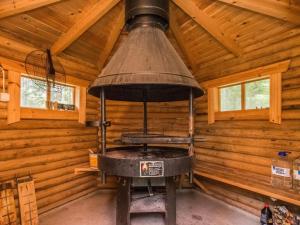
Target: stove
146,68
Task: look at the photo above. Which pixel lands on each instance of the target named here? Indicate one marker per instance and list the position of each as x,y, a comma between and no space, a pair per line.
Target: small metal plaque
151,168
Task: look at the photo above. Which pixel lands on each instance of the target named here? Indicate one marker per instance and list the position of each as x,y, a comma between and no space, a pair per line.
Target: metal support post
191,130
103,129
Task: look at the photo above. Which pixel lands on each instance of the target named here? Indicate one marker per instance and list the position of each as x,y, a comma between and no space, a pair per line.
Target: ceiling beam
112,38
16,7
280,10
209,24
89,18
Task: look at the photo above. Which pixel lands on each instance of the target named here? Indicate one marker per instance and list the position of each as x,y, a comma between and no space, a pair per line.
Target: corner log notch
13,8
209,24
89,18
280,10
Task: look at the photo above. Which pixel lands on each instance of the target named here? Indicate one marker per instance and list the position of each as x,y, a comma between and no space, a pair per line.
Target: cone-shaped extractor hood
146,67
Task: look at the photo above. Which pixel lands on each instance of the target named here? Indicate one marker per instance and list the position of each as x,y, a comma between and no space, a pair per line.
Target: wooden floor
193,208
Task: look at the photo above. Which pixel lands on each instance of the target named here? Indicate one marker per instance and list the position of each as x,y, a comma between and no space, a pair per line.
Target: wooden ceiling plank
209,24
23,6
175,28
112,38
271,8
89,18
68,64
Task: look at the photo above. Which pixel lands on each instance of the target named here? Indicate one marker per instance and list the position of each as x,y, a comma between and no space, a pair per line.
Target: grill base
164,202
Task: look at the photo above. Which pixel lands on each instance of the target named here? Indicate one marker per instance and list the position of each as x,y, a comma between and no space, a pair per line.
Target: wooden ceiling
83,32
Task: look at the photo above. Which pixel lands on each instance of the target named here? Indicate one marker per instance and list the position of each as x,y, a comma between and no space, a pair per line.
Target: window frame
49,94
273,113
16,113
243,93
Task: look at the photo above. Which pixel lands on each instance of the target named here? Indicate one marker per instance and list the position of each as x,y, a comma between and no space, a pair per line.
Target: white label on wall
279,171
297,174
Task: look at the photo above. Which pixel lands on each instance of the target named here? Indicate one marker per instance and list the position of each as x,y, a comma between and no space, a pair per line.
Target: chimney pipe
147,13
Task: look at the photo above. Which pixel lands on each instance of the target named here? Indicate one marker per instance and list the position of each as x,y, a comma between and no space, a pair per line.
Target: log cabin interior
149,112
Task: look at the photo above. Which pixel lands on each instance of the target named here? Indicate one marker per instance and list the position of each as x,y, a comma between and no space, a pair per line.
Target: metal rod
145,122
191,119
103,129
191,129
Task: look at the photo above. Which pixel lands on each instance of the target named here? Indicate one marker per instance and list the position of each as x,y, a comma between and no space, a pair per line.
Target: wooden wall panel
244,149
49,150
164,118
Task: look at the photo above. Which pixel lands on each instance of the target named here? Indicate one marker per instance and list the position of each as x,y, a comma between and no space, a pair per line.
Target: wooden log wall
49,150
244,149
163,118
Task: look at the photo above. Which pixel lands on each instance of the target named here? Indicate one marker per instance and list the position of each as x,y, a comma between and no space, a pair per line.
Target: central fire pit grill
146,68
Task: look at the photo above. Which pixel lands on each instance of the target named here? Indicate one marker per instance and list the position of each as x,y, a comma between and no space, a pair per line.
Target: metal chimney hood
146,67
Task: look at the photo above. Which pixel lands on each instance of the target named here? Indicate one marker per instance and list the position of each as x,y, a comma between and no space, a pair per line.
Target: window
34,94
248,95
231,98
257,94
63,94
29,98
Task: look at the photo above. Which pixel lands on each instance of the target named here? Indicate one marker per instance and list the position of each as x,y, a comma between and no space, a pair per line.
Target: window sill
253,114
46,114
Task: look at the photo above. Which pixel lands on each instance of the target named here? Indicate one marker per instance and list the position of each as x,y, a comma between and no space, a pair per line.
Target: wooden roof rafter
88,19
15,8
112,38
209,24
277,9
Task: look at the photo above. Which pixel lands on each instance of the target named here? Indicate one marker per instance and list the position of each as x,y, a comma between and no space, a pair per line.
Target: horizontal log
3,105
69,184
64,194
41,114
40,177
3,113
64,178
291,93
259,125
34,142
45,167
39,160
37,133
212,168
252,133
43,150
236,156
263,170
252,146
39,124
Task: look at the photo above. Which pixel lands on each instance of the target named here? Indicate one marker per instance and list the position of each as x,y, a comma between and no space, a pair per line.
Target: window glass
257,94
62,94
32,93
231,98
